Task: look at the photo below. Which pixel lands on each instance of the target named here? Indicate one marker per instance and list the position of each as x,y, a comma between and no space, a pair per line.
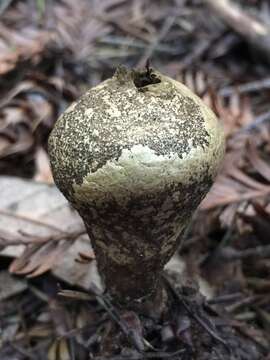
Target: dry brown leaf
22,112
260,165
235,115
224,193
38,211
43,169
246,180
196,81
23,86
23,143
39,258
238,180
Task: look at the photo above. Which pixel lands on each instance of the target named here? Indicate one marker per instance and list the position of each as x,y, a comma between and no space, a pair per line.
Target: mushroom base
135,285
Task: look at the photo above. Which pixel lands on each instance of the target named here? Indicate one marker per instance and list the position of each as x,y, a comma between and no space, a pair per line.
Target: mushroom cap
136,161
118,136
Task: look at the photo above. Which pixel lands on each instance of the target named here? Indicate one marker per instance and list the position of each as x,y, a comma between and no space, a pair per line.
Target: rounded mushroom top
134,132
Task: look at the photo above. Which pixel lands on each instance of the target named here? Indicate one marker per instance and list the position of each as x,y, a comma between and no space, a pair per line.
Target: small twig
257,85
258,252
76,295
29,220
197,52
248,300
107,305
110,310
195,316
137,44
9,239
261,119
22,351
168,23
256,33
224,298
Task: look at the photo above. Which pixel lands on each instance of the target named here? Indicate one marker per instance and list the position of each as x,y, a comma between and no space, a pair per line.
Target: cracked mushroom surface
136,158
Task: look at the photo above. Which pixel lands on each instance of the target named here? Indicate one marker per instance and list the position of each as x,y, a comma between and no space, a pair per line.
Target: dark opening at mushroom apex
147,77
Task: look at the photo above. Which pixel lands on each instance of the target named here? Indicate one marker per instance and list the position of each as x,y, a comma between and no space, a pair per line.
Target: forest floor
50,305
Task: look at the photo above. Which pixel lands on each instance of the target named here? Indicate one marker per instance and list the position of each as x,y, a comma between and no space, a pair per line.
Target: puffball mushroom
135,156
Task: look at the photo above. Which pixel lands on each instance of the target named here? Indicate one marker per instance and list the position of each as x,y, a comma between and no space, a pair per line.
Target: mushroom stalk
135,156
